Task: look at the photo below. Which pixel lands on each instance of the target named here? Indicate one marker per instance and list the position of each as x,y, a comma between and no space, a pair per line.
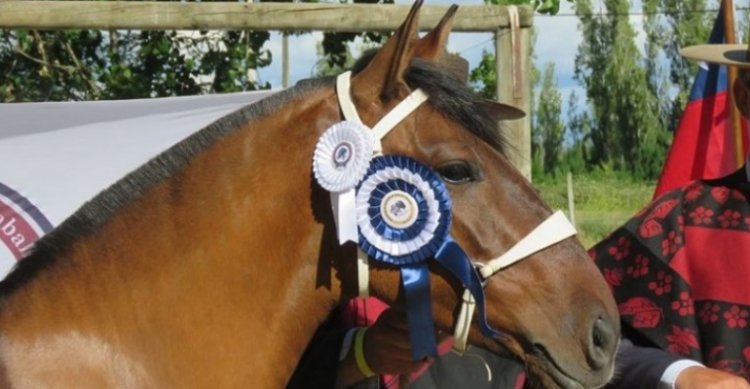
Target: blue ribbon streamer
416,281
454,258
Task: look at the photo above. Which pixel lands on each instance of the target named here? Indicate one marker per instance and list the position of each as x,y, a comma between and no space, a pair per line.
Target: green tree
548,131
89,64
625,111
670,25
578,132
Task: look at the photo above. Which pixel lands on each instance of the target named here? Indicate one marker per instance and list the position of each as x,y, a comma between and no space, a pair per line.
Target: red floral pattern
720,193
701,215
736,317
639,267
621,249
682,340
672,242
683,306
709,313
613,276
729,218
653,298
663,283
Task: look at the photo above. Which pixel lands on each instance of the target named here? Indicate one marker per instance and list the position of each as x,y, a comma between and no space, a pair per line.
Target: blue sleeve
640,367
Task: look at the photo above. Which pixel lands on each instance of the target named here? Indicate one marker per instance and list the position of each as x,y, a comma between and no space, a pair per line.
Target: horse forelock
457,101
134,185
449,94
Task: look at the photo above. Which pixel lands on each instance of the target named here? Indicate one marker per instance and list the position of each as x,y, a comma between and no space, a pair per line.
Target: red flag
703,145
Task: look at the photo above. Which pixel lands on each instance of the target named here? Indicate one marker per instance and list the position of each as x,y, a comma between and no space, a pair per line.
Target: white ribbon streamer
552,231
345,211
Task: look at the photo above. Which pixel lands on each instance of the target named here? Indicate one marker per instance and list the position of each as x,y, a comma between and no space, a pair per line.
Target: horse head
554,308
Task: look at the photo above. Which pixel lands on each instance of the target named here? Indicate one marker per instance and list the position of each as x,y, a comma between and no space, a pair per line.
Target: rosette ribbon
404,214
340,160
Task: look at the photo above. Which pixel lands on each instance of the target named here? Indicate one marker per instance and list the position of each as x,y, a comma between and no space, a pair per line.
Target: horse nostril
602,344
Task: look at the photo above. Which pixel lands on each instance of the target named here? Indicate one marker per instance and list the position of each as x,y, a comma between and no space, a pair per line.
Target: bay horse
213,264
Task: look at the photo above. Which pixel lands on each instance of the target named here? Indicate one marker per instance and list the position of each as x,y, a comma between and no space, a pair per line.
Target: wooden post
727,7
513,86
284,60
571,200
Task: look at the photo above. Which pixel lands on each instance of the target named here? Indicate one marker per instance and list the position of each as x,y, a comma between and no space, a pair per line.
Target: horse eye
457,172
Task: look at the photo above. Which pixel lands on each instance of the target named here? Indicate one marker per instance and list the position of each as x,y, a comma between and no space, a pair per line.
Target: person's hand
697,377
387,346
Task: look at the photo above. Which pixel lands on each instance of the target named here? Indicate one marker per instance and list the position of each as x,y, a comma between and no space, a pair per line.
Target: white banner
56,156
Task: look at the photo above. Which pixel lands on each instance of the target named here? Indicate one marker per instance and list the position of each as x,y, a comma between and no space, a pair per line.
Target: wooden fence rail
151,15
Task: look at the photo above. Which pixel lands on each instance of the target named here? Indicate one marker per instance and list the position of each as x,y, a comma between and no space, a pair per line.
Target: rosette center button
342,154
399,209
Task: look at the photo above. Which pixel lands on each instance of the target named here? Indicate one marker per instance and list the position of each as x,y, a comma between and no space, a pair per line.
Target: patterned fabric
680,272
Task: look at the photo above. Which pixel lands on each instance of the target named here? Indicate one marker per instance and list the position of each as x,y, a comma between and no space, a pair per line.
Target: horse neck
232,241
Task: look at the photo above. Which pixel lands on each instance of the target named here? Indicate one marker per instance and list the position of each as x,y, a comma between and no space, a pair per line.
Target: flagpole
736,117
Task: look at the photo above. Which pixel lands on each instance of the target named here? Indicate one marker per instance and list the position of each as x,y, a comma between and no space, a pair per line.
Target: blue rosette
403,218
403,211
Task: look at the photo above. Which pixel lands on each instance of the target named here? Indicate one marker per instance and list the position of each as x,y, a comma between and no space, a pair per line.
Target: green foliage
676,25
624,109
604,200
86,65
548,131
483,77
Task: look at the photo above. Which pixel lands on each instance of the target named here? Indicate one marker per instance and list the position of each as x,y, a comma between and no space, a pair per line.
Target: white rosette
342,156
340,160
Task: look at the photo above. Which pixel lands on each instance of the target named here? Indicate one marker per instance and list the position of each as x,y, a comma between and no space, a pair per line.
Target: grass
603,201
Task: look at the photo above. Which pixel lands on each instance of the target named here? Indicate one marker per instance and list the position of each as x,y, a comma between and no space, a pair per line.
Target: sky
557,43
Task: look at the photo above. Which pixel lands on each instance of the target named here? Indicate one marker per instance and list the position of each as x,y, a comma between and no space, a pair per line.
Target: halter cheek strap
347,226
552,231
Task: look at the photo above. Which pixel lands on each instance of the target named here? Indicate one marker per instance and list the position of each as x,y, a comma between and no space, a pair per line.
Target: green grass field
603,201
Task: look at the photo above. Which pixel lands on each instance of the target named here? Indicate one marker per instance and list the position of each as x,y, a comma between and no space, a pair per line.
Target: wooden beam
150,15
513,87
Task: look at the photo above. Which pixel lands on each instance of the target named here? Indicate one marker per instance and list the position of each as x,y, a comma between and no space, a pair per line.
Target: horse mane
449,95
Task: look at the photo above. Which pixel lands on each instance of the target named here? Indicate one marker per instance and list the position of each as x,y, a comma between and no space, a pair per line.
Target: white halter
552,231
348,226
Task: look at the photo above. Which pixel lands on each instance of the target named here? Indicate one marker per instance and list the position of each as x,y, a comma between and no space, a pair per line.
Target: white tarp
56,156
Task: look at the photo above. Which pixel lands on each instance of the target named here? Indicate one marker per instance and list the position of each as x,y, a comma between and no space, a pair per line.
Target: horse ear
432,46
500,111
387,68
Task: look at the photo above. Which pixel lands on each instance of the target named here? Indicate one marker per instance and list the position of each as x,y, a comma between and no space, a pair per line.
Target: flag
703,145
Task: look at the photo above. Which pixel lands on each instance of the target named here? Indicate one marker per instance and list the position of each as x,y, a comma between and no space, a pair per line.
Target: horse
213,264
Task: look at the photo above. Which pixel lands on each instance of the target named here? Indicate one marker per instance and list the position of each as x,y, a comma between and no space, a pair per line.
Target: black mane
449,95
